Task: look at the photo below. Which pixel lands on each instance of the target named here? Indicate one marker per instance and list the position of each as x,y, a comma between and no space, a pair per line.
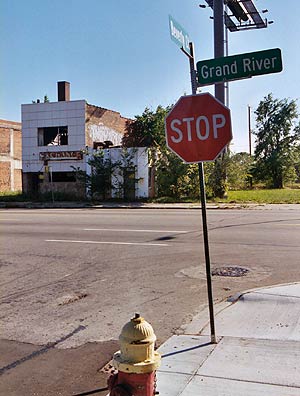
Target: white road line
295,224
130,230
107,243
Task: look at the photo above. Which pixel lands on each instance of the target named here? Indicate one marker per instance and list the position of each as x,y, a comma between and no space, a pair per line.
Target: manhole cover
230,271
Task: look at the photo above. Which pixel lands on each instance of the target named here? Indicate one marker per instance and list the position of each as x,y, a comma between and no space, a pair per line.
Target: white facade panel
58,114
142,173
33,123
27,132
29,142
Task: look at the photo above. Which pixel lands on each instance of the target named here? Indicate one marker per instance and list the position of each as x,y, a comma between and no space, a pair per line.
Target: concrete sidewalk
258,349
126,205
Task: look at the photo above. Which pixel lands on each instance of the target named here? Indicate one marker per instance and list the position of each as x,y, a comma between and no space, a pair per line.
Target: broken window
53,136
59,177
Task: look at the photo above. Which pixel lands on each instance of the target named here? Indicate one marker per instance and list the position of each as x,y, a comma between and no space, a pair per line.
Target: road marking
295,224
130,230
107,243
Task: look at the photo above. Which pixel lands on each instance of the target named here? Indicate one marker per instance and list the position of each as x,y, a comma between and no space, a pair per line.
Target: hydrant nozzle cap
137,318
137,330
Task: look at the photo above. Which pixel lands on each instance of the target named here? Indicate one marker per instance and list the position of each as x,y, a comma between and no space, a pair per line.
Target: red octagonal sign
198,128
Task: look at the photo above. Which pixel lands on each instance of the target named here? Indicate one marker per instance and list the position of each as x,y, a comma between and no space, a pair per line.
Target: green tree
218,180
98,183
107,176
277,138
170,170
170,176
297,164
216,176
146,130
239,171
124,178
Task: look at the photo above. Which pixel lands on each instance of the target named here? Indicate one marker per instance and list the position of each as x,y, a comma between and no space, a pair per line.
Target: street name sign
198,128
240,66
179,35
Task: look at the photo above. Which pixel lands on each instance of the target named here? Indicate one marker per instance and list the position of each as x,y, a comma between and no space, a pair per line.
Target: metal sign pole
207,257
204,219
51,182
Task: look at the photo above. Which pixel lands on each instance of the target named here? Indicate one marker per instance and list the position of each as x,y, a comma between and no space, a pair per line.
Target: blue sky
119,55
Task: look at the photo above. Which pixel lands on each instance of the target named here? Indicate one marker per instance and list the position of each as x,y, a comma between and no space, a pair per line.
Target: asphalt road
71,277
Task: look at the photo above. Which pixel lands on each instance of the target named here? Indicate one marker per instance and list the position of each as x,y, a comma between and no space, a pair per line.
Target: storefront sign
61,155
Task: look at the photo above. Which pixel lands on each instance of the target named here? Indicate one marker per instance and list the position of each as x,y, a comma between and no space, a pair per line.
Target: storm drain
230,271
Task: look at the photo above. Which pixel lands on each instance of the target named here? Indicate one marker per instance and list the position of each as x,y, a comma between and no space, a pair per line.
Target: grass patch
174,200
13,196
260,196
276,196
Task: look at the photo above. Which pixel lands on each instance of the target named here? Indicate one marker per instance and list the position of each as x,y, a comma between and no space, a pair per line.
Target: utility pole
218,17
218,13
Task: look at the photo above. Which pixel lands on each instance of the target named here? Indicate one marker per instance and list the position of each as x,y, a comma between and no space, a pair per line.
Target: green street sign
236,67
179,35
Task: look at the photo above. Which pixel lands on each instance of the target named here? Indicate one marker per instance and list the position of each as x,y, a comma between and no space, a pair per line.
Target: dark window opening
103,145
98,145
60,177
53,136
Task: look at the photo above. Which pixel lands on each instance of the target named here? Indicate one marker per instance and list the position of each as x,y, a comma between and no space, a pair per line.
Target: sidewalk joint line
248,381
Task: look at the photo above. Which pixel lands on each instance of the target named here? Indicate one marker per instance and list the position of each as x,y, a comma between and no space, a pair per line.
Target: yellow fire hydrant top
137,353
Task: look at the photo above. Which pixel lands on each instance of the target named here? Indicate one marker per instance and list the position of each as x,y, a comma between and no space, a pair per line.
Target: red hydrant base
138,384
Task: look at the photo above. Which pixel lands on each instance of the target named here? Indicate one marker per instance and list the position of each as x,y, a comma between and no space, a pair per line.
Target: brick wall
109,119
10,156
5,178
18,179
17,144
4,140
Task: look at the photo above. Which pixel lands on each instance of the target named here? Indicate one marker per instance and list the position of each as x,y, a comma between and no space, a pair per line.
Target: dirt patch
71,298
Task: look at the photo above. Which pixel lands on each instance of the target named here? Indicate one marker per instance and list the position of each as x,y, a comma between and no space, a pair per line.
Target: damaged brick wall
103,125
10,156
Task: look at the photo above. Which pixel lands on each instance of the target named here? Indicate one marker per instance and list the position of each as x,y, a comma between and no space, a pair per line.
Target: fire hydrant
136,361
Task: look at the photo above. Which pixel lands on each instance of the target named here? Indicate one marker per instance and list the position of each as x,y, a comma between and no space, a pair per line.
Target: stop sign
198,128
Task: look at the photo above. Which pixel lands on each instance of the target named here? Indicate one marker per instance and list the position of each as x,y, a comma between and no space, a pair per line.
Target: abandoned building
10,156
60,136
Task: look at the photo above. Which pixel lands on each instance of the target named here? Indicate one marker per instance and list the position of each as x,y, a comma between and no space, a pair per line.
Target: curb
201,320
134,205
233,299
